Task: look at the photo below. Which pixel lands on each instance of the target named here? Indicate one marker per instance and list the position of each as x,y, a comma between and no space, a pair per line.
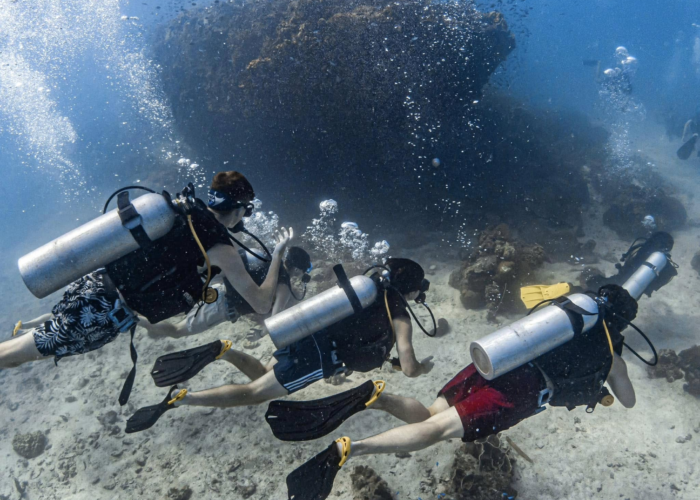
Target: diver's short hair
234,185
406,275
298,258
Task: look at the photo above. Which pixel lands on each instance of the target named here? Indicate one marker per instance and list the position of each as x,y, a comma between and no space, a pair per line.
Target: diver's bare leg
36,321
250,366
258,391
409,410
164,328
412,437
19,350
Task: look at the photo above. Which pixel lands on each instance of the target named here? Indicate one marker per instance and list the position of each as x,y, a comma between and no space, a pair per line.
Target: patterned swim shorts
81,321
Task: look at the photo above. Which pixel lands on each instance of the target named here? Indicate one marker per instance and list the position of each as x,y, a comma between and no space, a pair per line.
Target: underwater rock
633,203
695,262
690,364
667,367
333,87
184,493
495,269
482,471
367,485
29,445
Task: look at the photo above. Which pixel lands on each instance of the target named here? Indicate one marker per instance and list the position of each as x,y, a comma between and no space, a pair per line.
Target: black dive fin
146,417
178,367
314,479
686,149
307,420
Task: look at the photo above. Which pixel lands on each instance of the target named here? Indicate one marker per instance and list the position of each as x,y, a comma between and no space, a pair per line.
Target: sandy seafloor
612,453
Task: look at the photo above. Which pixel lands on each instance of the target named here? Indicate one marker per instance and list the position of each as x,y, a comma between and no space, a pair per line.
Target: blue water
83,111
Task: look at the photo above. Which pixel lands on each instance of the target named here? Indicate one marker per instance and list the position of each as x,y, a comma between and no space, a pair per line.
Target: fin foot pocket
181,366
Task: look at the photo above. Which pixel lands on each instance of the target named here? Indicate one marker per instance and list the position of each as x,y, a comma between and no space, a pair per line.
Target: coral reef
29,445
367,485
695,262
494,269
667,367
685,364
634,194
689,361
482,470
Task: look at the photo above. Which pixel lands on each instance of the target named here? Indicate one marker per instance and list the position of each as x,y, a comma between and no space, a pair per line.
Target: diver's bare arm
620,383
259,297
282,297
410,365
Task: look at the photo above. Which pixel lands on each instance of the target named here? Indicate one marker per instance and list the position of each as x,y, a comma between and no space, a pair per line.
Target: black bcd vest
161,279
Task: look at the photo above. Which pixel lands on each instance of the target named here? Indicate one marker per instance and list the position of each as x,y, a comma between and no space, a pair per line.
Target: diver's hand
282,239
427,364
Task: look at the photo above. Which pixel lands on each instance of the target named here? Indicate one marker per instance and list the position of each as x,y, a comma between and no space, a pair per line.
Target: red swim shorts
488,407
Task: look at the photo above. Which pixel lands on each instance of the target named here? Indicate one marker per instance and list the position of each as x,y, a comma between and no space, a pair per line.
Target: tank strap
129,382
131,219
344,283
574,312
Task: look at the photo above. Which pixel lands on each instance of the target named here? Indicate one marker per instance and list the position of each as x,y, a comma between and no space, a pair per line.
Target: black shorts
81,321
306,361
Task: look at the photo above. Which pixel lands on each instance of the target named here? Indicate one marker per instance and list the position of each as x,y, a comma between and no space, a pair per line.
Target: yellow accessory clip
345,441
18,326
226,345
180,396
379,386
534,294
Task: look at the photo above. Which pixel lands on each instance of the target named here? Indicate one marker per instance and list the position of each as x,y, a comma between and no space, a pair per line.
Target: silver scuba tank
92,245
318,312
548,328
528,338
642,277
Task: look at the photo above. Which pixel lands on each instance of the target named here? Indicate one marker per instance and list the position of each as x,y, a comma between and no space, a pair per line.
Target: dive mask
223,203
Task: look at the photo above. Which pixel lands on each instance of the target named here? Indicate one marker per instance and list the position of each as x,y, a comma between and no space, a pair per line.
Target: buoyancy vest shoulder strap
344,283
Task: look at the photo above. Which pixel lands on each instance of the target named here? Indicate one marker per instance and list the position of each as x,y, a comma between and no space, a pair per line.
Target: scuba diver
361,342
690,136
616,82
513,376
230,305
144,257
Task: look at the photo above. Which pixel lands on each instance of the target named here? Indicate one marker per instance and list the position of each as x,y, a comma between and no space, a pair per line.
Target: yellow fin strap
18,326
225,346
180,396
379,386
345,454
